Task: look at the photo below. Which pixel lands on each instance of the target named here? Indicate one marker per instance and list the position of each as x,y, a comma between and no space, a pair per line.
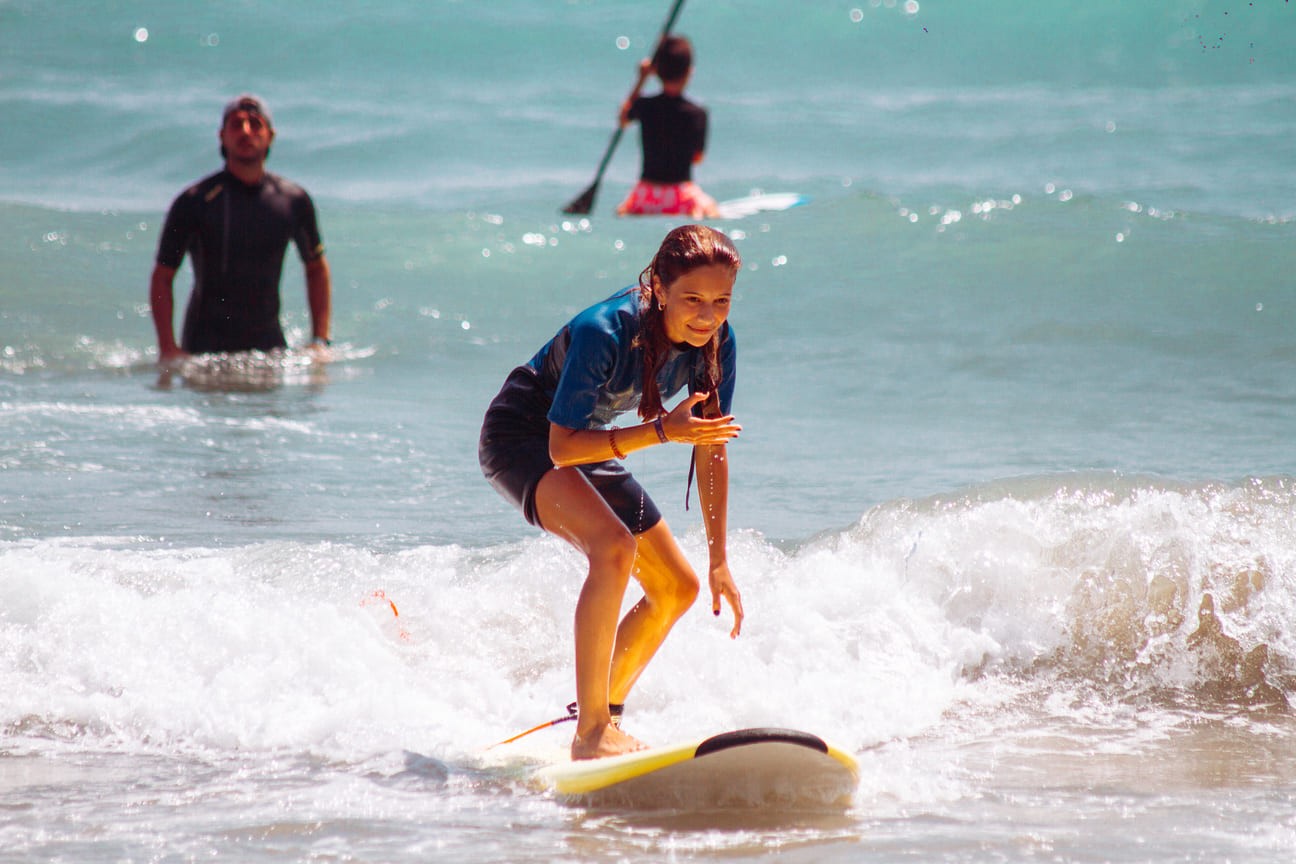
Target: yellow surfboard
760,767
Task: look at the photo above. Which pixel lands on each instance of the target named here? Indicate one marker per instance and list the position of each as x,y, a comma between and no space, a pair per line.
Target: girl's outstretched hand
682,426
722,585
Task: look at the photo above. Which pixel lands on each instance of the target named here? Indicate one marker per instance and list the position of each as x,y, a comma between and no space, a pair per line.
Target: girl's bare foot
605,741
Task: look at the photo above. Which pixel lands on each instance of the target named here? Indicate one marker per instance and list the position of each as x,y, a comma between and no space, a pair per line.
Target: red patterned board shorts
667,199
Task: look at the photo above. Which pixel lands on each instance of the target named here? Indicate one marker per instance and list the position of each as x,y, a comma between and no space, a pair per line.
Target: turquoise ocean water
1012,512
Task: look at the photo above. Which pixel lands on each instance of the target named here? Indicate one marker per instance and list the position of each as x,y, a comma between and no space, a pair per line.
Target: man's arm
162,302
319,296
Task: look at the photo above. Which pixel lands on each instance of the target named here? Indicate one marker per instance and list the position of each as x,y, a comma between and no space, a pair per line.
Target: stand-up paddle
584,202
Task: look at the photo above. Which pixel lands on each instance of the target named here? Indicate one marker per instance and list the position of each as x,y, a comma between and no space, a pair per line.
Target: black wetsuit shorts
514,455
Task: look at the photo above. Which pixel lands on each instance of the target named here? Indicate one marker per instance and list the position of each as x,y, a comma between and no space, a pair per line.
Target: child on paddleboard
548,446
672,133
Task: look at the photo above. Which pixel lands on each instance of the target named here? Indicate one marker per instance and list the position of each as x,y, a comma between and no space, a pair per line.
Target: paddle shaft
616,136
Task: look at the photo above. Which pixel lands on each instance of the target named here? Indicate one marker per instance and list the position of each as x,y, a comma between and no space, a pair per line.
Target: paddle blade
584,202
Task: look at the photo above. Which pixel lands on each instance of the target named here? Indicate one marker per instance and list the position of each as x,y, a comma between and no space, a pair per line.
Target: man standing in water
236,225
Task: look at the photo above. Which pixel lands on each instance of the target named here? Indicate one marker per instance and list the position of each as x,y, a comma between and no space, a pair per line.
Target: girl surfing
548,446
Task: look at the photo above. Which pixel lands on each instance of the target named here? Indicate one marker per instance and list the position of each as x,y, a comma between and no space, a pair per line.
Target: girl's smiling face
696,304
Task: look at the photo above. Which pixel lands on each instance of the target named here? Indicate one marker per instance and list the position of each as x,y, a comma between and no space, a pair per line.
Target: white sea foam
923,612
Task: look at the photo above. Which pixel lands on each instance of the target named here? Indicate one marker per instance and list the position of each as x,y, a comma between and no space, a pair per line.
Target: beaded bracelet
616,451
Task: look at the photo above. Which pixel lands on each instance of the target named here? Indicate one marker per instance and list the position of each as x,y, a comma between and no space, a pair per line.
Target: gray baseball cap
248,102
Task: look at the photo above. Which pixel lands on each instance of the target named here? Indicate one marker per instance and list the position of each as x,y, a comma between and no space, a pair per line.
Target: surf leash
617,710
380,596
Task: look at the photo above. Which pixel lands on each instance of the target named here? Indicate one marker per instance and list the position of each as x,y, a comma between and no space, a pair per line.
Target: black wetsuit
673,131
237,235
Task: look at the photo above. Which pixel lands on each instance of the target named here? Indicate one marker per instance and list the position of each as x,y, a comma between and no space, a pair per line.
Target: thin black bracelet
661,430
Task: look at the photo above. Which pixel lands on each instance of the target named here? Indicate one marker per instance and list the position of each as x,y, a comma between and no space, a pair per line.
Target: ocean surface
1013,511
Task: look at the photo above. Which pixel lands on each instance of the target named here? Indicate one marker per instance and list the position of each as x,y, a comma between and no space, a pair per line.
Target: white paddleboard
746,768
737,208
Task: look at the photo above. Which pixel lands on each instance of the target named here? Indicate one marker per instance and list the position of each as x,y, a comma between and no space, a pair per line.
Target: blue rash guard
592,370
589,373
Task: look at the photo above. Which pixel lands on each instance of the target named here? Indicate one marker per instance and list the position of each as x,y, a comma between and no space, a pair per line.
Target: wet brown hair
685,249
